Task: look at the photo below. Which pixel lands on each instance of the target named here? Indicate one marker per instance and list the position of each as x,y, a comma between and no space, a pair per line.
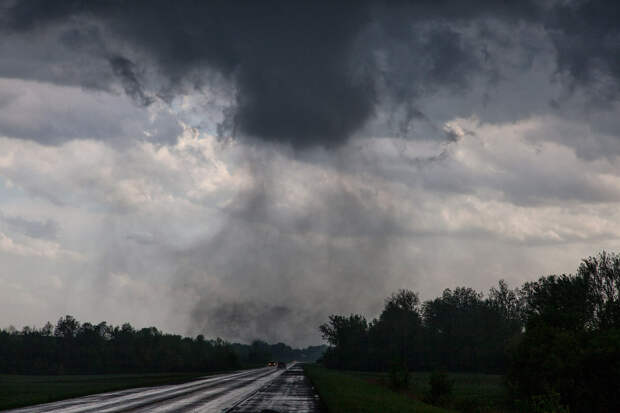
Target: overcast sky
243,170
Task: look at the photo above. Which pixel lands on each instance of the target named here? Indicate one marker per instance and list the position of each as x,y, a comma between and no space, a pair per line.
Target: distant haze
245,169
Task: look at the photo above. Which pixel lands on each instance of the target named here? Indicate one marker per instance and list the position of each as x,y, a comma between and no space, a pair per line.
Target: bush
470,406
544,403
399,376
441,388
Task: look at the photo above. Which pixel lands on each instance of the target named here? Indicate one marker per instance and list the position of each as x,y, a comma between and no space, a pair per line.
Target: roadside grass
343,392
487,392
25,390
472,392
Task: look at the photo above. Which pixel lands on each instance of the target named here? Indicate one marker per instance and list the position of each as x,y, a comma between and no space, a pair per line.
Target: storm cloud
314,73
245,169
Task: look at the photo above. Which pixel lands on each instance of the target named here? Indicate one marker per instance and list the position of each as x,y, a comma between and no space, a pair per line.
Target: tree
395,336
47,329
102,348
348,337
602,275
571,344
458,330
259,352
67,327
507,302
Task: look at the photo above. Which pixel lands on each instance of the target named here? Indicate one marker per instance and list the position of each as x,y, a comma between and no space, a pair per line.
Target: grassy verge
346,393
480,392
22,390
472,392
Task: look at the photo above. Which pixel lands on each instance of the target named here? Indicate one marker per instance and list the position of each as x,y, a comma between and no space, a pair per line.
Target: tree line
71,347
556,339
259,353
459,331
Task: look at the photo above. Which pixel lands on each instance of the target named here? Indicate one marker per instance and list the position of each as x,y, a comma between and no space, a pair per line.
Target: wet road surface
289,392
257,390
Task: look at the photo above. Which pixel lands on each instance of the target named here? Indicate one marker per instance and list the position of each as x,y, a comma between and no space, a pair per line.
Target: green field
21,390
480,392
472,392
348,393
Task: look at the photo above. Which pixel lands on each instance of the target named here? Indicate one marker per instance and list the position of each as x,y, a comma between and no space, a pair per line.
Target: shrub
440,388
544,403
399,376
470,406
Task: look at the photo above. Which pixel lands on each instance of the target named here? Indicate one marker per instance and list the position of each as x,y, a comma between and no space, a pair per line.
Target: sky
245,169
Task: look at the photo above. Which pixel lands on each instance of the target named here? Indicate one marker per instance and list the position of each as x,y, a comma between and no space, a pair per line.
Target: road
289,392
258,390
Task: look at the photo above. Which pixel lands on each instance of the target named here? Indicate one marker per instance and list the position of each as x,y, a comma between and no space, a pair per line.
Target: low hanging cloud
190,237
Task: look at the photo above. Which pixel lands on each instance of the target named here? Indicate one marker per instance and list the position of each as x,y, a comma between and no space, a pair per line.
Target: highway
258,390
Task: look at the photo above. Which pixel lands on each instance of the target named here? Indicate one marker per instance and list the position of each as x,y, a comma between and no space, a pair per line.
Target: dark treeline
459,331
71,347
260,352
556,339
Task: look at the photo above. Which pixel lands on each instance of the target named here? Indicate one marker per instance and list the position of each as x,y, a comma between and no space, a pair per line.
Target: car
281,365
272,364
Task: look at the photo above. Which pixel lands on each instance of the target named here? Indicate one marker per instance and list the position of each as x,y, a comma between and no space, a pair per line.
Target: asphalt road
289,392
258,390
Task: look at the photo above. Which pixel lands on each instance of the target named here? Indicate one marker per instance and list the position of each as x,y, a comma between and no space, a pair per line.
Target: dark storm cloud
587,37
289,61
126,70
313,73
307,74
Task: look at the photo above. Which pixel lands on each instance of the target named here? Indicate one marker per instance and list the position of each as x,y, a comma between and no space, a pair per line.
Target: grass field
21,390
348,393
487,392
472,392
